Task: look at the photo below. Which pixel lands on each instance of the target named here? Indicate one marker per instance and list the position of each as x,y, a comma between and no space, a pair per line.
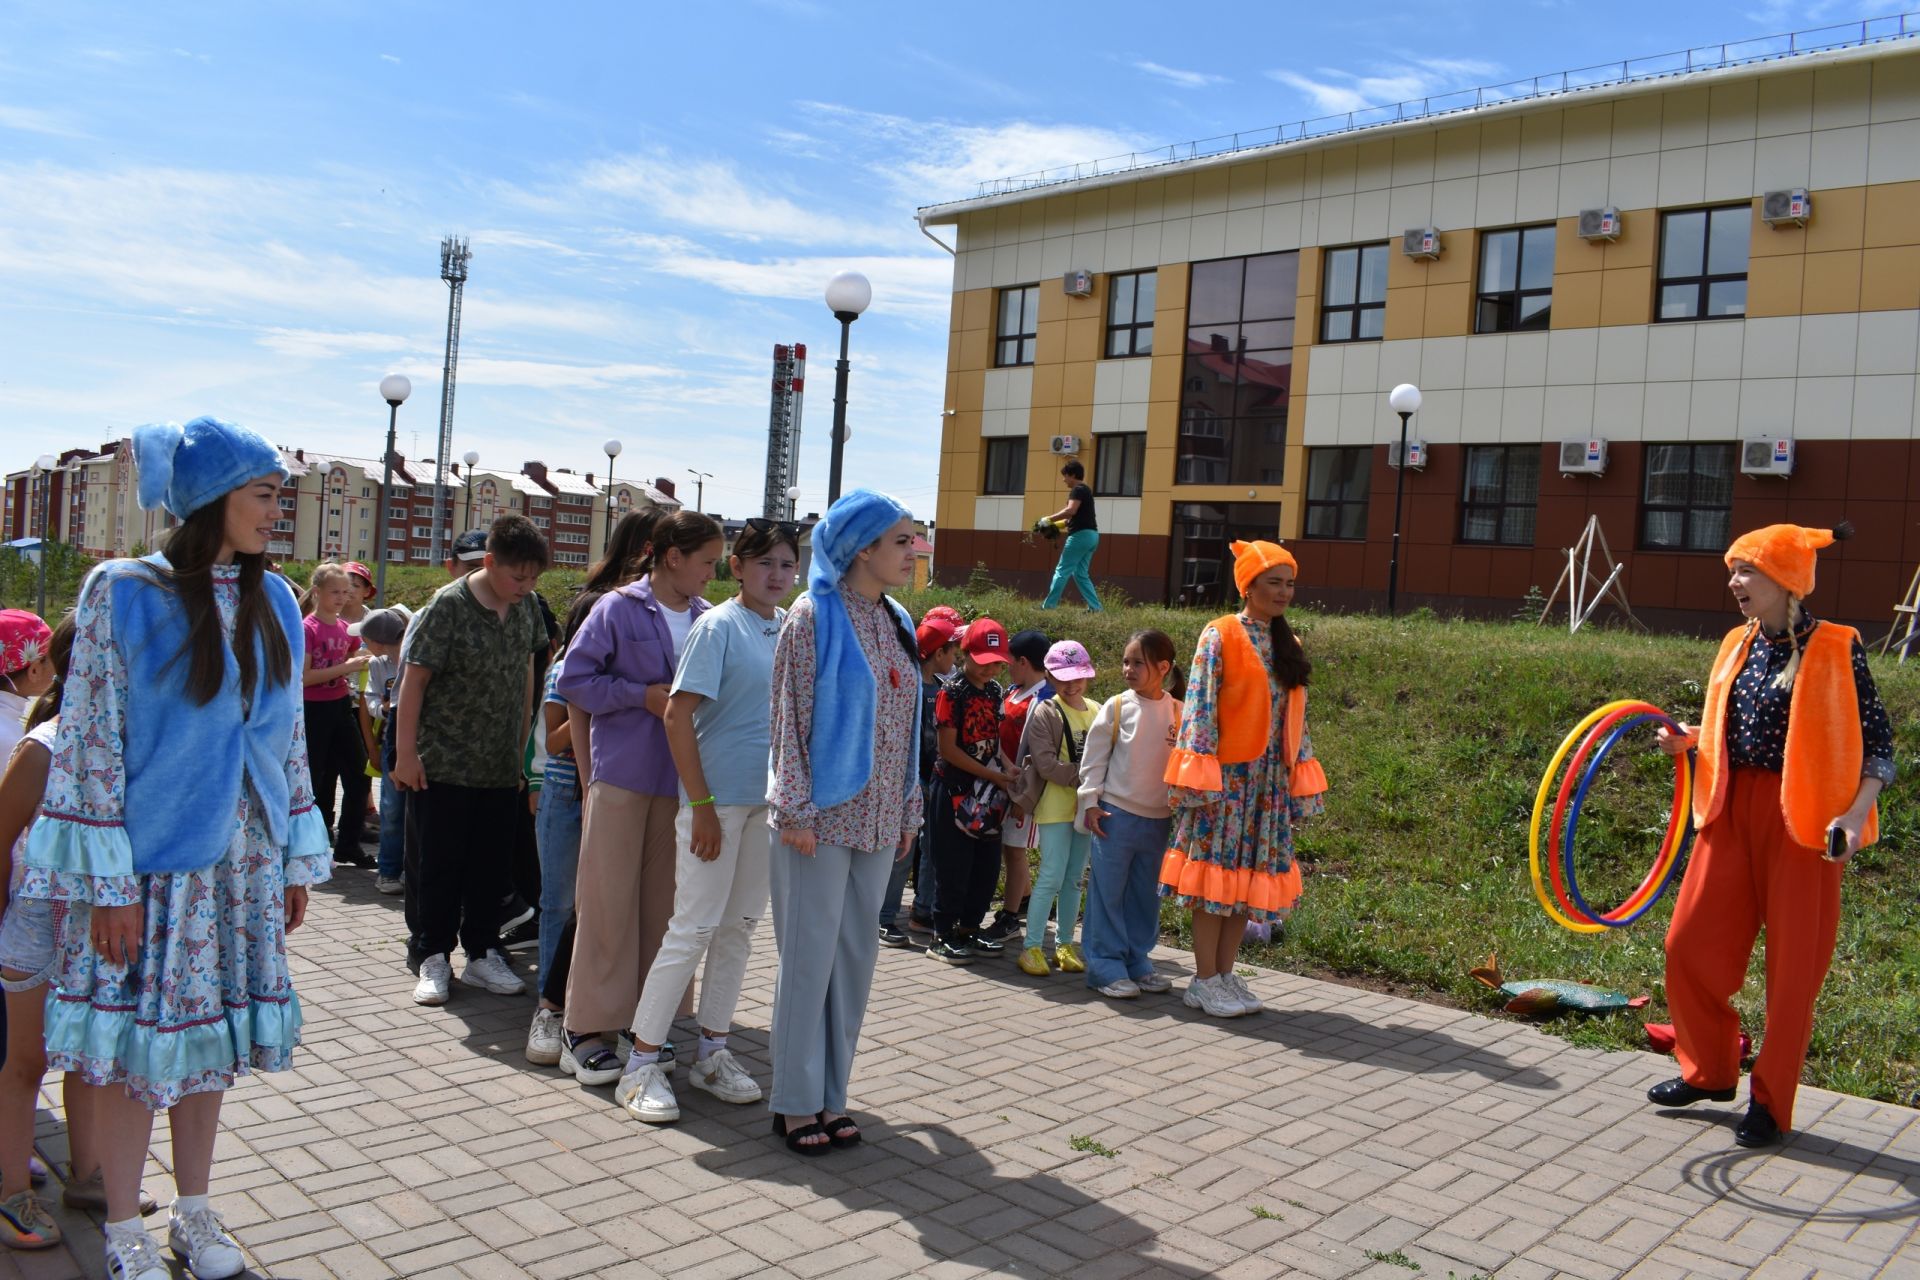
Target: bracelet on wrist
695,804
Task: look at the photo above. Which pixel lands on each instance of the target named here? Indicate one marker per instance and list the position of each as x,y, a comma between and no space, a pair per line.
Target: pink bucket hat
23,640
1068,659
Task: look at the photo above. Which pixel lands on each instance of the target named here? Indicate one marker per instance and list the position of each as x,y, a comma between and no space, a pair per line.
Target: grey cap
471,545
383,626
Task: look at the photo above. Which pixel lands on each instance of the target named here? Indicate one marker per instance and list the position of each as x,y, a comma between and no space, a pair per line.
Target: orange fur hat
1785,553
1251,559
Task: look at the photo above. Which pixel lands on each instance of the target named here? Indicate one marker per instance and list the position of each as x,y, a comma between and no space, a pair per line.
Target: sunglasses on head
764,524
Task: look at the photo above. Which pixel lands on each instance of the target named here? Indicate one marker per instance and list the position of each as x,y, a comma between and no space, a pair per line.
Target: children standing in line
1123,803
381,631
938,652
334,749
969,797
1027,672
1053,743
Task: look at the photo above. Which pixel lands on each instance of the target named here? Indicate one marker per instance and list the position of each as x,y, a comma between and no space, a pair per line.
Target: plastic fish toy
1533,996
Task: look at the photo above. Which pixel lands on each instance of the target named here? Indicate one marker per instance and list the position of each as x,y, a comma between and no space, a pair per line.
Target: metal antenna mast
453,269
783,428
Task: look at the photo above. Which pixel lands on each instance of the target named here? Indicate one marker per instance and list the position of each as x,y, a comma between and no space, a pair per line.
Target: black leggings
336,758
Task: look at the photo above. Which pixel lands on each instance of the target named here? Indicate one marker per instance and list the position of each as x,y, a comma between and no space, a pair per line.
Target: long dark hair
625,551
685,531
191,551
1157,646
1290,663
59,653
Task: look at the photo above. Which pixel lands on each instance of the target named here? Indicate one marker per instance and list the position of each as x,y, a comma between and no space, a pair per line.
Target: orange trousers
1746,872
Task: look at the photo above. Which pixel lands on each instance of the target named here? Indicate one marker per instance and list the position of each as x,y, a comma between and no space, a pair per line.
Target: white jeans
716,907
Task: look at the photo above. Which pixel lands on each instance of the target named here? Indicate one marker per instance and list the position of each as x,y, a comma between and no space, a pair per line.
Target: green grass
1434,734
1091,1145
1397,1258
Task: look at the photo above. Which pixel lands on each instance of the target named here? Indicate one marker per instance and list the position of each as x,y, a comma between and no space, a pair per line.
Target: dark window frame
1024,341
1693,504
1504,507
1013,473
1704,282
1132,446
1240,335
1133,327
1359,306
1337,505
1512,299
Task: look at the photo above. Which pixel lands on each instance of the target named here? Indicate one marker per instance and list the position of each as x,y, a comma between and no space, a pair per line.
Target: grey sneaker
489,972
1248,1000
203,1242
647,1095
1154,983
1213,997
389,885
26,1224
721,1075
1124,989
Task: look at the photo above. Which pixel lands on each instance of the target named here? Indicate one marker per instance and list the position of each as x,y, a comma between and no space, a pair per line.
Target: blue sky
236,208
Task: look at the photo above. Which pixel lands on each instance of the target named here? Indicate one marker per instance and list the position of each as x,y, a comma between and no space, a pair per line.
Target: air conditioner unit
1792,206
1766,456
1066,444
1416,455
1422,244
1583,457
1078,284
1600,224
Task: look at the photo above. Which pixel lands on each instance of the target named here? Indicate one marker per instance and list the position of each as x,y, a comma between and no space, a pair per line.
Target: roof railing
1900,26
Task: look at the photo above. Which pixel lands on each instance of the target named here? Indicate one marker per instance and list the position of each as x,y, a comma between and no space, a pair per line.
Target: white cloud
33,120
1183,79
711,196
917,287
1334,91
387,57
542,375
322,344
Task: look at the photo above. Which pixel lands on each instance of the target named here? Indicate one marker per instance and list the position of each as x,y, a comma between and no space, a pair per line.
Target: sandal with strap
793,1137
841,1132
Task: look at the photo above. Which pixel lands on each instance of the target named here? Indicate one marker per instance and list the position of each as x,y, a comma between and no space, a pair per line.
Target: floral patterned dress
208,997
1238,842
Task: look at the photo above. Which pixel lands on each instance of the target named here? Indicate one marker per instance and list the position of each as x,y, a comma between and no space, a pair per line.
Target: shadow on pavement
1724,1175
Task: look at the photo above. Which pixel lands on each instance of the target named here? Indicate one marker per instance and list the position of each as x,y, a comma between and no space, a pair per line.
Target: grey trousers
824,908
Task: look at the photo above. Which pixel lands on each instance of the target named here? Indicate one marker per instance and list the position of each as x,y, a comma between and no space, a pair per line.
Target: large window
1019,324
1130,314
1337,482
1516,280
1238,370
1687,497
1006,466
1703,263
1200,565
1501,494
1118,463
1353,295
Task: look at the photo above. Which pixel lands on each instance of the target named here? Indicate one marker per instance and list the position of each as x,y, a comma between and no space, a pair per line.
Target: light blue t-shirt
728,660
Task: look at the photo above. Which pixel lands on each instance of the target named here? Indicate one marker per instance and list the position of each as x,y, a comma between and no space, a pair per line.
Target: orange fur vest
1244,715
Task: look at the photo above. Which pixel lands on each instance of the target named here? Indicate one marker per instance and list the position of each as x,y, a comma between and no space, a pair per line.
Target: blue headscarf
840,745
185,468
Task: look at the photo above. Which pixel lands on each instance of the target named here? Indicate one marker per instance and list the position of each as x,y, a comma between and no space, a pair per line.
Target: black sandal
837,1131
804,1131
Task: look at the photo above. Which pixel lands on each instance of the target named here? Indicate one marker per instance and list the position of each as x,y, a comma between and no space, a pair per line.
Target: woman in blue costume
180,826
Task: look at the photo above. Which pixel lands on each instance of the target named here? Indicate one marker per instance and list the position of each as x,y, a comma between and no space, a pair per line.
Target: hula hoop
1563,902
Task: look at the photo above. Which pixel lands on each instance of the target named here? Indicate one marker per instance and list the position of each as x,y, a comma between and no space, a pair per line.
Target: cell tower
453,269
783,428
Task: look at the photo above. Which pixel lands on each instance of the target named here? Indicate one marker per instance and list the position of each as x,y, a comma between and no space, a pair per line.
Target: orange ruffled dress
1232,847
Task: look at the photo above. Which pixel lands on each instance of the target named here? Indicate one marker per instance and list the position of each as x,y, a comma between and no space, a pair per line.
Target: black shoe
952,952
514,912
357,857
522,936
980,945
1757,1128
1678,1093
891,936
1004,925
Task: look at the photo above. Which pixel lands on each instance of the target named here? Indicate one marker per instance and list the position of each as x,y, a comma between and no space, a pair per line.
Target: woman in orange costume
1241,774
1794,747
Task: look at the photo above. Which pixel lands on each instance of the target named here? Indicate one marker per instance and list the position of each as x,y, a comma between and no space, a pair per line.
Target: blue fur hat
185,468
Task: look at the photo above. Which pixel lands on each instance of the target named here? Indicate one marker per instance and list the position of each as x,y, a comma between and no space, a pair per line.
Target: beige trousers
622,902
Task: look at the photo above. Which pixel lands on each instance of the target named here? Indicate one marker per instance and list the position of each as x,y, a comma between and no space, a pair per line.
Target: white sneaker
648,1095
1250,1001
489,972
1213,997
436,975
1125,989
134,1255
575,1061
203,1242
545,1037
721,1075
1155,983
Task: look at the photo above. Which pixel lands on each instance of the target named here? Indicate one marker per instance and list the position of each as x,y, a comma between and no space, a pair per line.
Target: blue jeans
392,862
1123,897
557,827
922,857
1075,556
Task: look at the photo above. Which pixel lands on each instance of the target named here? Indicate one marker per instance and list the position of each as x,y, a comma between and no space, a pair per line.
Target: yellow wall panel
978,310
1571,254
1170,288
967,391
1773,286
1163,424
1166,377
1042,423
1047,379
1626,296
1050,342
1406,312
1156,518
1083,338
1076,384
1831,283
1764,241
1893,214
1404,272
1449,311
1455,263
1297,385
1639,233
1839,220
1890,278
970,352
1576,300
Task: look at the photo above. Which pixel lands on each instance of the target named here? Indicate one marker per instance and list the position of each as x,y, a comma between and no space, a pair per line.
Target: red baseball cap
986,641
359,571
933,635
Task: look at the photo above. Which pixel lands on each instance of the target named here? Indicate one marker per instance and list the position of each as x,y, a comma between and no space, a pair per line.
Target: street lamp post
612,449
394,389
472,459
1405,401
793,496
700,479
43,478
848,294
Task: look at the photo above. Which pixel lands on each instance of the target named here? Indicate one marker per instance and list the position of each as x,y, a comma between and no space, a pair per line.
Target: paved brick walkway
1340,1134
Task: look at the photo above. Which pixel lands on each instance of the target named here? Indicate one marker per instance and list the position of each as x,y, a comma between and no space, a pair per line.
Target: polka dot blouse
1757,712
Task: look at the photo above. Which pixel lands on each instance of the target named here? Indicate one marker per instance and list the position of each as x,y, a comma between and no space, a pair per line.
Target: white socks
709,1045
184,1205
